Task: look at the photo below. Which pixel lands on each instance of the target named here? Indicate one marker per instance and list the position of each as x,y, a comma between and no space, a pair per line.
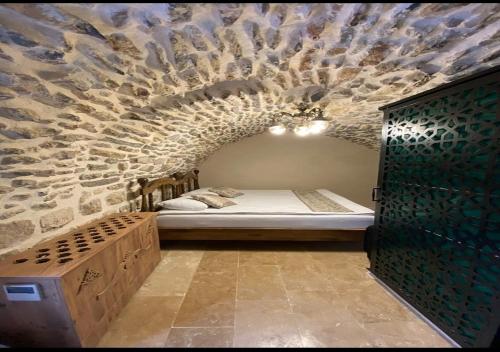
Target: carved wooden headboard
171,187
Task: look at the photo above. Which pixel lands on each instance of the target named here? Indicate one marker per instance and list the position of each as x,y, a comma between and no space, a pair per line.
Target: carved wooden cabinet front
86,276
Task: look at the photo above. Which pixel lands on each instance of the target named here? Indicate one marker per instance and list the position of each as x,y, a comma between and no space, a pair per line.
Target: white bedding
270,209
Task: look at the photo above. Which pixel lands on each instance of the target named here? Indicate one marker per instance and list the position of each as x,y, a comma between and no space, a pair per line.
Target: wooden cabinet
83,278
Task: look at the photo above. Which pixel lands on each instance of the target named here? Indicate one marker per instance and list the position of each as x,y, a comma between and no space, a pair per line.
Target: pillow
213,201
182,203
198,191
226,192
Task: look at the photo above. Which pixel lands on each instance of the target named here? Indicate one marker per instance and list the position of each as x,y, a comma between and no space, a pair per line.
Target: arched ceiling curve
183,79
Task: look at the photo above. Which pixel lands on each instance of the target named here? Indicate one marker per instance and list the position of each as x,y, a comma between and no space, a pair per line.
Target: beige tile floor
216,294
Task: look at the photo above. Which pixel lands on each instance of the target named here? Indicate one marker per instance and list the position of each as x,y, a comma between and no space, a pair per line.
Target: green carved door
437,241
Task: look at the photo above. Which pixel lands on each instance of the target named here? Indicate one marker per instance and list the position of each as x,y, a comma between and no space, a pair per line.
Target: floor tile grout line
290,306
163,259
413,310
182,301
175,317
330,287
333,289
361,323
301,330
236,295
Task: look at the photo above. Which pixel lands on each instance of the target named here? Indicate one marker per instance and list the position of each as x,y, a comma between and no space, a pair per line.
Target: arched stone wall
93,96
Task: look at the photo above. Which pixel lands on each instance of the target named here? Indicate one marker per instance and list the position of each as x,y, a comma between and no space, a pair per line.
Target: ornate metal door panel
437,241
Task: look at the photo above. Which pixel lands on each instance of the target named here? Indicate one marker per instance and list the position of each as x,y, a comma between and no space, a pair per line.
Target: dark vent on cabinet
77,244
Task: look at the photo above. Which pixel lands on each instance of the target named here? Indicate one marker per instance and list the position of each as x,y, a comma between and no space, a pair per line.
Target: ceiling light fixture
302,131
277,129
319,124
303,123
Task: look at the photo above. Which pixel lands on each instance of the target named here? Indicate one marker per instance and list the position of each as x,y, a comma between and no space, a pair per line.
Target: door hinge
375,193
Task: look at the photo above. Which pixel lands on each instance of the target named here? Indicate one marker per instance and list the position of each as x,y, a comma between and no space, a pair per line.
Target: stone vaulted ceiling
93,96
200,75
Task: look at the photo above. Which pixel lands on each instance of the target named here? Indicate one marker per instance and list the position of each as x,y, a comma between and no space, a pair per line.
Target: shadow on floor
264,246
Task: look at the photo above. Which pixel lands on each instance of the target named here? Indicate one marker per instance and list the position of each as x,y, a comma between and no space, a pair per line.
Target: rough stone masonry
94,96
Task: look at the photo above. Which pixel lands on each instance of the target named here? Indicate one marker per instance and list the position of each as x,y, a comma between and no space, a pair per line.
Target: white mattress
269,209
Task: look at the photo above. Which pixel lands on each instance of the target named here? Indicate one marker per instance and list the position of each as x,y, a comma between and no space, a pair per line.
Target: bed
280,215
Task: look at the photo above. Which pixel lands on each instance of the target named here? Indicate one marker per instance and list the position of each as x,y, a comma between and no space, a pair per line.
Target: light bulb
318,126
277,130
301,131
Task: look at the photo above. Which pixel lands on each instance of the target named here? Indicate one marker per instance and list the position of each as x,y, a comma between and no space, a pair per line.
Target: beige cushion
182,203
226,192
213,201
203,190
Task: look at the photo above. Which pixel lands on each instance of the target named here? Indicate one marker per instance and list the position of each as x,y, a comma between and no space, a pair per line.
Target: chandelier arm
311,121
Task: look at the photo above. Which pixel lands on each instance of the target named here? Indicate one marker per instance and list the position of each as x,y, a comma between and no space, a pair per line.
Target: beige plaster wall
288,162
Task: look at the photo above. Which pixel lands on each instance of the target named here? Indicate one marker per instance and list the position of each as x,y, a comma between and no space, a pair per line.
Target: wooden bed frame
173,187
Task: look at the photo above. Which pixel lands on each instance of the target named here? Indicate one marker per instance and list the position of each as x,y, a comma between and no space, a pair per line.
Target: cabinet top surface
59,255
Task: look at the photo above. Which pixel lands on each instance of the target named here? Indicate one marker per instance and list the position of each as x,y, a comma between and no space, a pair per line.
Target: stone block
56,219
15,231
